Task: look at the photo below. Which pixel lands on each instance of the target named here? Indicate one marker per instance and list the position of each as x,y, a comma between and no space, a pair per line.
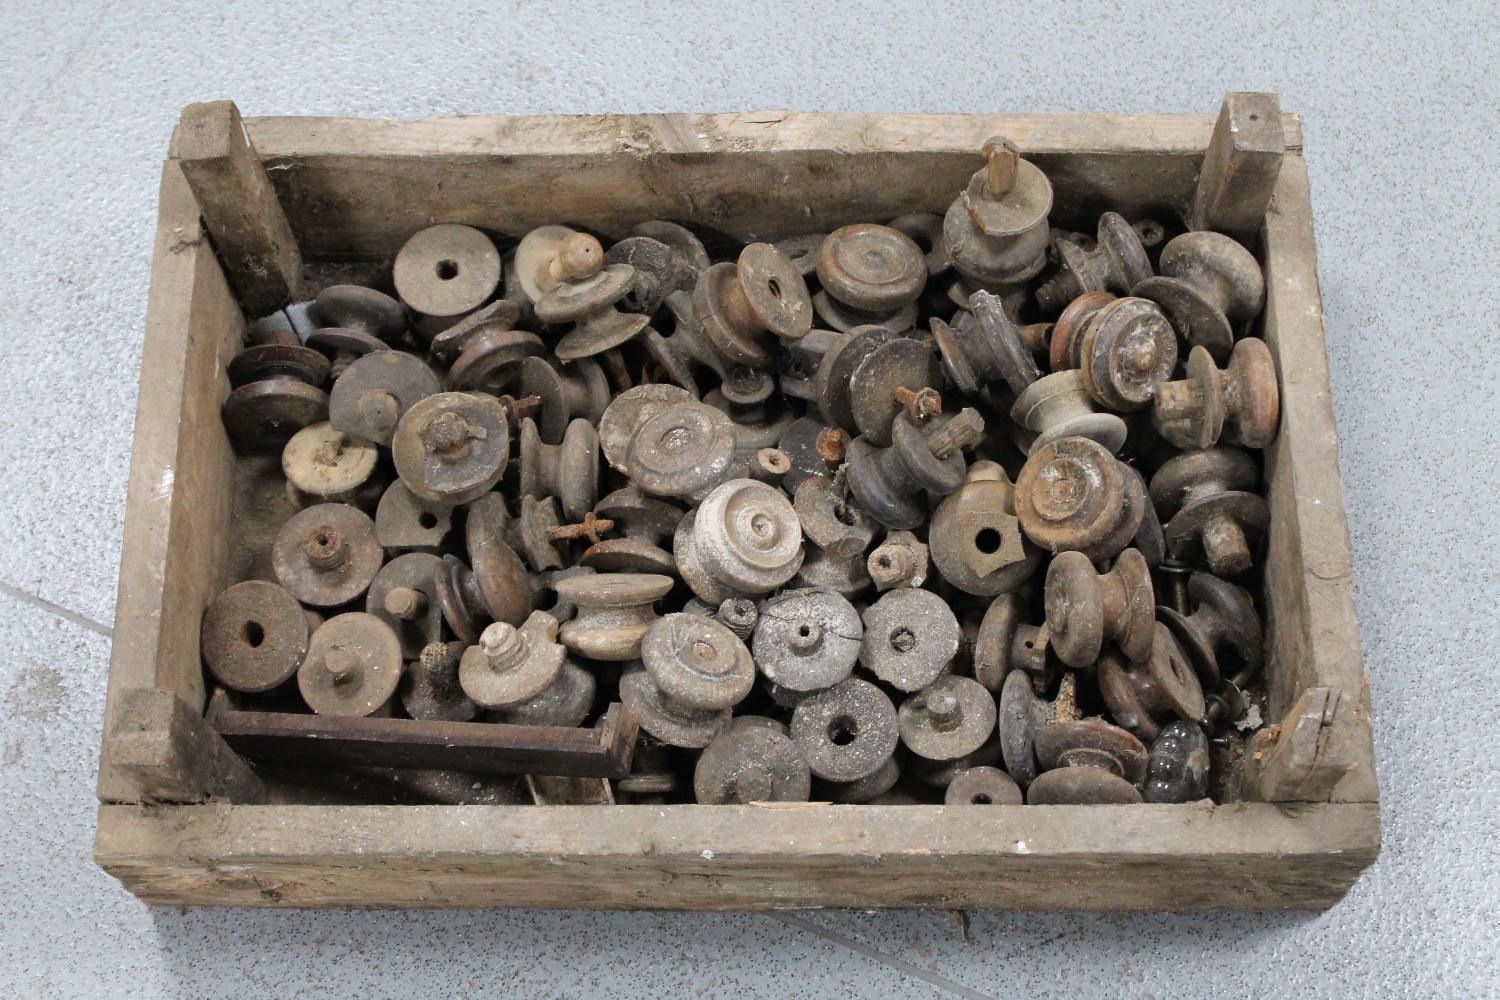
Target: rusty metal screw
832,444
922,404
591,528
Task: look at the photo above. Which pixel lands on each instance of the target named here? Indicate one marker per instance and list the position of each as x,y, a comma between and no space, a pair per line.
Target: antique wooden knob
807,640
510,664
541,265
614,612
1085,608
847,732
975,539
1007,641
1241,403
1204,498
1087,762
1129,350
910,637
495,589
645,522
1141,695
829,520
566,702
1223,624
983,786
376,392
891,484
323,465
499,316
1209,285
1117,264
868,272
567,471
1021,718
896,376
743,308
753,761
1065,345
656,272
327,555
1073,495
352,667
743,539
1059,406
431,691
587,299
991,347
358,321
405,522
697,661
567,392
446,272
947,719
491,362
275,394
676,447
254,636
995,232
452,447
404,596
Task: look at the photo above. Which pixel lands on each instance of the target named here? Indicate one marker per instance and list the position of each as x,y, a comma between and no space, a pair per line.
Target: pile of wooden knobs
847,540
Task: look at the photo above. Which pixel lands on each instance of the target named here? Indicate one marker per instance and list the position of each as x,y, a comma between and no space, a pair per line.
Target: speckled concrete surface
1397,103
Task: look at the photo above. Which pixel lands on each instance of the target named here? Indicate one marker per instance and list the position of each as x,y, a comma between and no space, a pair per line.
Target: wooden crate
184,822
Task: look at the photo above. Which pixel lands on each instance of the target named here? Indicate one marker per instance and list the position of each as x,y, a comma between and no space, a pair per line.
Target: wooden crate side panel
357,188
181,469
741,857
1313,627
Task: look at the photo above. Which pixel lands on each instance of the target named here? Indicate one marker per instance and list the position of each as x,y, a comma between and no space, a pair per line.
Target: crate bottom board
1245,856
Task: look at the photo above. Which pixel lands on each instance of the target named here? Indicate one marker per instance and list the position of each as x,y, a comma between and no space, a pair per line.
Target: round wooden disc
873,268
263,416
341,584
468,474
446,270
368,649
254,636
375,391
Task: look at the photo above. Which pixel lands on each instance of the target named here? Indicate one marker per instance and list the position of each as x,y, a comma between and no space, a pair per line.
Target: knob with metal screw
1204,497
1140,695
892,484
1117,264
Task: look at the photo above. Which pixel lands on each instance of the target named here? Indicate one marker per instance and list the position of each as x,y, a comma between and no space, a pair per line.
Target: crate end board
1191,857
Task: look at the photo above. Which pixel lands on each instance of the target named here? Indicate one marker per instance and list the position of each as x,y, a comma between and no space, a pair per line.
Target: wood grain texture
1247,856
250,231
469,747
181,470
1241,166
170,754
358,188
1312,624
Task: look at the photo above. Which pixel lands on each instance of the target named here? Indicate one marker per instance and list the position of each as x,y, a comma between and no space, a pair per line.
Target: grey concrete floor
1398,113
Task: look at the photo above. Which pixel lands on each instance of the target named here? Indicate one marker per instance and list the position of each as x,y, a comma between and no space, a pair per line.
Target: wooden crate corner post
1241,166
239,205
171,754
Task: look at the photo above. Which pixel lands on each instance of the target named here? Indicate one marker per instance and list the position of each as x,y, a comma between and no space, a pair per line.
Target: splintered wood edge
1199,856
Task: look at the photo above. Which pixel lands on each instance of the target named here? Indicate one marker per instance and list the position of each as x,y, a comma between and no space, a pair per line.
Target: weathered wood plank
181,469
1241,166
239,205
357,188
169,753
469,747
742,857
